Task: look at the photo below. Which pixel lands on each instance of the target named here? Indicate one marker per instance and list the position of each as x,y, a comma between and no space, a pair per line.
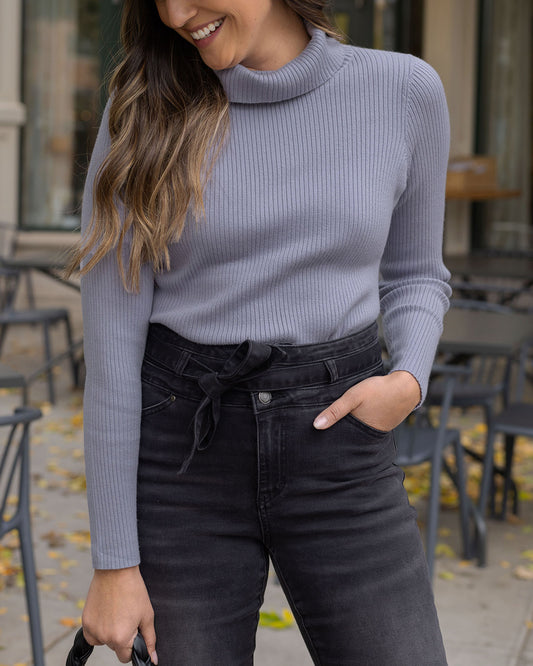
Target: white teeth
205,32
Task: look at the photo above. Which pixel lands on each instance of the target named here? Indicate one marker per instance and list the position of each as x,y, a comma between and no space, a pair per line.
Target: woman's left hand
381,402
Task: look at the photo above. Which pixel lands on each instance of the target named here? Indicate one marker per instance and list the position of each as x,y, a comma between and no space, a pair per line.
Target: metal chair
45,317
418,441
15,480
486,384
515,420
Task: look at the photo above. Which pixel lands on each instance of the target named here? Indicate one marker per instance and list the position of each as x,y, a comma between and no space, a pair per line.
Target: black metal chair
419,440
15,480
515,420
45,317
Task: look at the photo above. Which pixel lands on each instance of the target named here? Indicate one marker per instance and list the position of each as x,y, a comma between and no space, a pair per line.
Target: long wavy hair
168,119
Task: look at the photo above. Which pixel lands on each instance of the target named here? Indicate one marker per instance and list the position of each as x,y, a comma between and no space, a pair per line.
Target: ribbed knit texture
334,171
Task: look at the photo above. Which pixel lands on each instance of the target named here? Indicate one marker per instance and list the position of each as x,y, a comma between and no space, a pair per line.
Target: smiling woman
265,34
257,176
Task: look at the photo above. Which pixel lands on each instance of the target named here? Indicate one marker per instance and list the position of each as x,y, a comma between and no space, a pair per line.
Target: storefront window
504,129
393,25
64,43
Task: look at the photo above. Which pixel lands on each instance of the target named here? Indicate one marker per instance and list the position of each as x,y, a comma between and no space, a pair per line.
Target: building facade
56,55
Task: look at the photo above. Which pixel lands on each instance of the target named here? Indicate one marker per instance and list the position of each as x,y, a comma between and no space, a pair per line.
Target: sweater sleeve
115,324
414,292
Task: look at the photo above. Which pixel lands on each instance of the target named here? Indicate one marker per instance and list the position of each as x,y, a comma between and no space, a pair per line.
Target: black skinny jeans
232,473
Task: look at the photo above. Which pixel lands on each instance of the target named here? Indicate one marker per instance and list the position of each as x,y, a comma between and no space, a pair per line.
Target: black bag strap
81,651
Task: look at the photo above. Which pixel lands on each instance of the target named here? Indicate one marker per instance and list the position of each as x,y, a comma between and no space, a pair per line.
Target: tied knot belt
249,360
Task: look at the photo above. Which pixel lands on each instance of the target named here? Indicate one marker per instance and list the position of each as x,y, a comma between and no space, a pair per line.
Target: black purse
81,651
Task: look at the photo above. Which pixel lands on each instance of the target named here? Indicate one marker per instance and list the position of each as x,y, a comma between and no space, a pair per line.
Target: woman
251,179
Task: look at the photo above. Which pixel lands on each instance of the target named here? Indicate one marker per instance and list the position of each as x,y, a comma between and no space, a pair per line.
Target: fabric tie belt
249,360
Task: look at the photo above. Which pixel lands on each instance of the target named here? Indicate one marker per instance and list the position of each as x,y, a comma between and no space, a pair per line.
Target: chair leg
507,482
3,333
460,482
487,476
48,358
32,597
73,362
433,512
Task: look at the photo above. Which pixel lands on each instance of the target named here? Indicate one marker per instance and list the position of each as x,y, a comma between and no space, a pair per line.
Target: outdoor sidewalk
486,614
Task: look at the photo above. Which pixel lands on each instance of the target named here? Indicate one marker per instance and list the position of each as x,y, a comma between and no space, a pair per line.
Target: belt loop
182,362
332,369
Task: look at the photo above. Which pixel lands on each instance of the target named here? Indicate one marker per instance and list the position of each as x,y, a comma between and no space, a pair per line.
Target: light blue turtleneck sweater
332,177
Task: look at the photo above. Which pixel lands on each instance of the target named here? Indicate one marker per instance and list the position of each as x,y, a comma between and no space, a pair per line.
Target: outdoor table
52,264
469,267
518,268
477,332
481,193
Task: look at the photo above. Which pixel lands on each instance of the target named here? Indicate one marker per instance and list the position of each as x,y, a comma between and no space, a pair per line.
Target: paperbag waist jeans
233,474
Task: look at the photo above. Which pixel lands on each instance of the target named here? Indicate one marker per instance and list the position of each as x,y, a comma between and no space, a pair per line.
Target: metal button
265,397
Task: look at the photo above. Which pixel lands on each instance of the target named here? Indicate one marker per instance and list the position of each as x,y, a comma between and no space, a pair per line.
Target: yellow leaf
45,587
77,420
444,550
80,604
68,564
505,564
527,555
3,610
24,618
70,621
446,575
272,620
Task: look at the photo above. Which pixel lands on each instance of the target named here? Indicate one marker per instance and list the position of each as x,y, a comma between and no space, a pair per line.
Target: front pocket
366,427
155,398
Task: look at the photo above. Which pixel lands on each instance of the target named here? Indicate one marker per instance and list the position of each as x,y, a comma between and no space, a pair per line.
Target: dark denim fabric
232,473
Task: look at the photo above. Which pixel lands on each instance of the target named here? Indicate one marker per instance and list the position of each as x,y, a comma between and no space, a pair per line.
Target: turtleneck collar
315,65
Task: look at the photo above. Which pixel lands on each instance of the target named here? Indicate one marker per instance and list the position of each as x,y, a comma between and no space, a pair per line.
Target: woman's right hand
117,607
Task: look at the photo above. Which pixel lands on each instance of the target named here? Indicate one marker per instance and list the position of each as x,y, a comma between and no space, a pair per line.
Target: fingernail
320,422
153,657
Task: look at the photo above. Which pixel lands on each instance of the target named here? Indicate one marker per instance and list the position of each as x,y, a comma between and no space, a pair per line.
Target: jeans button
265,398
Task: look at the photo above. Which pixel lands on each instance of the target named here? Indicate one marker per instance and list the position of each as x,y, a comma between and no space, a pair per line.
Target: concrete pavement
486,614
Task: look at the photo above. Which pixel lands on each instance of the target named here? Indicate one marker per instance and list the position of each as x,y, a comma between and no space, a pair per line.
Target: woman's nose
178,12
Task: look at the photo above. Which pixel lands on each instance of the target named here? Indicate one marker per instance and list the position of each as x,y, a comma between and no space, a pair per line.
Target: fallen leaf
54,539
442,549
446,575
272,620
523,573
